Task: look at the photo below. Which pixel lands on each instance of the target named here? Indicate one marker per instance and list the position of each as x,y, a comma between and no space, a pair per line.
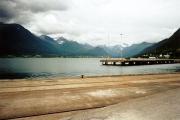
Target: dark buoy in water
82,76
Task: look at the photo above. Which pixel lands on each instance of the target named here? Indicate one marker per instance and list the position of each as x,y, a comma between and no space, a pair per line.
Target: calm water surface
72,67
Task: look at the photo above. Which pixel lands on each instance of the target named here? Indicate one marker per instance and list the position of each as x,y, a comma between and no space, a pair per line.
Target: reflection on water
68,67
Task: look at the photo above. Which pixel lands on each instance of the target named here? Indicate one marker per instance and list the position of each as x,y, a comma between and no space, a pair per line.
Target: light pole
121,46
109,56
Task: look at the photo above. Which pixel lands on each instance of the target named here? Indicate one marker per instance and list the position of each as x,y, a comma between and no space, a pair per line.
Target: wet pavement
161,106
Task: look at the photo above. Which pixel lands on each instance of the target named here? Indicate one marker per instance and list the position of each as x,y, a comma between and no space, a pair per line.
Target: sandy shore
23,98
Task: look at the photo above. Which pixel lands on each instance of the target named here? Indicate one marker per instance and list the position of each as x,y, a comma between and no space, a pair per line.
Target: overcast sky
96,22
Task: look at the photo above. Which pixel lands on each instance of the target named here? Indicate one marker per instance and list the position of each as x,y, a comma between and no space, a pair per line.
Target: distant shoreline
53,57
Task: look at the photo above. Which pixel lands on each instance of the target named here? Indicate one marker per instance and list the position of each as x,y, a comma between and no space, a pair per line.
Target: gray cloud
6,11
41,5
4,15
20,10
90,21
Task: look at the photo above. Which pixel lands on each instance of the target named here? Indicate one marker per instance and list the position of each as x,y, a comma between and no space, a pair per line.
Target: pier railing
137,61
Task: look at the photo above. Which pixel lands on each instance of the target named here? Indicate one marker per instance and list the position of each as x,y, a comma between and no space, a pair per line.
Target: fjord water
72,67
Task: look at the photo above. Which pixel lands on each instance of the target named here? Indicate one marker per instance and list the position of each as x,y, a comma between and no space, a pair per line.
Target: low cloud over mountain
96,22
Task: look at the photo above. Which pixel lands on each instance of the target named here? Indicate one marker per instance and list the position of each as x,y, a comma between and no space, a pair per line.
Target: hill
169,46
16,40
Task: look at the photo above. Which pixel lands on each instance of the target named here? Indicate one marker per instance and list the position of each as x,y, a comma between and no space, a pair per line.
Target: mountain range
15,40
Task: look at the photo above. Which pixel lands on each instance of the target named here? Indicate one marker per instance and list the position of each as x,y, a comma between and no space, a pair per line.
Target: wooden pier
137,61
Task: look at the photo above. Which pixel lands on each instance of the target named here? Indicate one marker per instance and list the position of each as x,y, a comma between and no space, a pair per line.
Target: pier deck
137,61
